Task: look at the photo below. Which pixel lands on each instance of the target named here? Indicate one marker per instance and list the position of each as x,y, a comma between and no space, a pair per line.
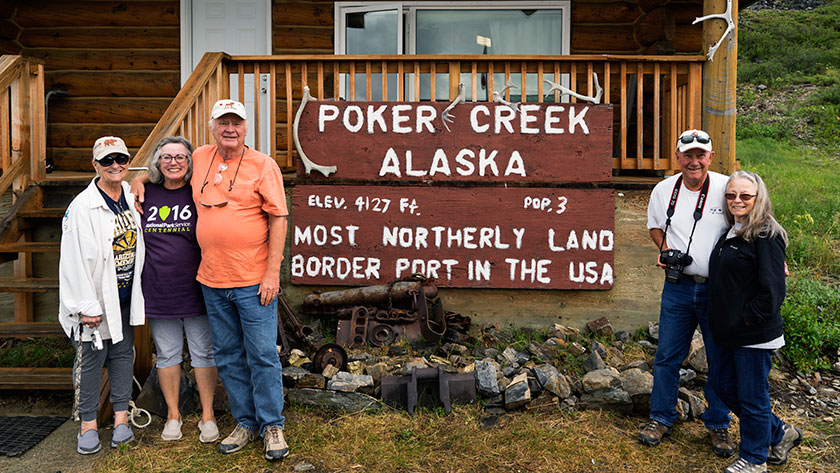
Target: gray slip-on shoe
88,442
122,434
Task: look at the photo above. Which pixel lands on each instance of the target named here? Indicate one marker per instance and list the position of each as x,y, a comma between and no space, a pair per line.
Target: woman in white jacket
100,297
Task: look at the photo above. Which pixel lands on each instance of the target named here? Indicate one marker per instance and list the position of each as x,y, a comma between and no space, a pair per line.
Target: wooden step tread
50,212
30,247
28,285
36,378
31,329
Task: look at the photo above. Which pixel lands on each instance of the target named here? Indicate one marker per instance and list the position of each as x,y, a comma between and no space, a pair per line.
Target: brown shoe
653,432
237,440
722,445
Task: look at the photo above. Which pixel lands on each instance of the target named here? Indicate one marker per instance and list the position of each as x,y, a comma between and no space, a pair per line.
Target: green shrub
811,313
805,44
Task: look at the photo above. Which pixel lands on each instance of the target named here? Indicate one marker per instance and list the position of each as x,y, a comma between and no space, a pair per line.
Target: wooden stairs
30,237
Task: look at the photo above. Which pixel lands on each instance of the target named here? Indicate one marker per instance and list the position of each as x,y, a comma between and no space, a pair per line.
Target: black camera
675,261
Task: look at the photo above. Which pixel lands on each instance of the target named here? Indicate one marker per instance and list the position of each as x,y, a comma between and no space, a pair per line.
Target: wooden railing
654,97
22,122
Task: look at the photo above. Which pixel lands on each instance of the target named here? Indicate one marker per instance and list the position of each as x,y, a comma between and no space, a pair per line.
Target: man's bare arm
138,188
657,235
270,284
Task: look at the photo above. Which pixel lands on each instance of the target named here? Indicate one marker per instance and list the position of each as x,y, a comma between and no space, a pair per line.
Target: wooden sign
489,142
548,238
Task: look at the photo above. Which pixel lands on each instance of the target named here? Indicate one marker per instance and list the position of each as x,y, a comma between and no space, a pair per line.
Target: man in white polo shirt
685,219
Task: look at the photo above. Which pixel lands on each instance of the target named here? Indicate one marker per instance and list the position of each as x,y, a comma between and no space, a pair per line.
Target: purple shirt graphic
172,254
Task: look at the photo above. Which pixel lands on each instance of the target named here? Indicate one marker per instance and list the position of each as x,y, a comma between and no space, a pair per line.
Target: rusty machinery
325,353
380,315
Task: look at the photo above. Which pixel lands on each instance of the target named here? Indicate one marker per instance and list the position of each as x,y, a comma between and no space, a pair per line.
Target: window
476,28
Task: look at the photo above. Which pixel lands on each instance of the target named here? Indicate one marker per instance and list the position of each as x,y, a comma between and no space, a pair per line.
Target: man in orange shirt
241,230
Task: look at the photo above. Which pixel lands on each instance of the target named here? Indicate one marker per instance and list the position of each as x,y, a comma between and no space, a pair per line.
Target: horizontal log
614,12
107,59
107,110
76,159
689,39
47,212
8,30
36,378
64,135
43,13
616,39
303,14
302,38
28,285
101,37
30,329
115,83
9,47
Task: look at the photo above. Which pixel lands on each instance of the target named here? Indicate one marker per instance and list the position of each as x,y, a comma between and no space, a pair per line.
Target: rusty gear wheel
329,354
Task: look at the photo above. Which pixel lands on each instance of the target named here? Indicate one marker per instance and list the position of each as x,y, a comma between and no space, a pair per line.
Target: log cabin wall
115,66
118,61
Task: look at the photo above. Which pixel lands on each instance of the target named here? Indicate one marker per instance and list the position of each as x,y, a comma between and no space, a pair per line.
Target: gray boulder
343,401
552,380
486,381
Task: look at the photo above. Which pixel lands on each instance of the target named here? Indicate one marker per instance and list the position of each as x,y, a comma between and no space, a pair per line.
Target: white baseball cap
693,139
109,145
223,107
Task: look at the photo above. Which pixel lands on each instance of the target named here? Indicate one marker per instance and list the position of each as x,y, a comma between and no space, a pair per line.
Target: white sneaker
209,431
171,430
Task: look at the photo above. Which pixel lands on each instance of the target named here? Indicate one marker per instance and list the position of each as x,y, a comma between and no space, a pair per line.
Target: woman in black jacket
746,290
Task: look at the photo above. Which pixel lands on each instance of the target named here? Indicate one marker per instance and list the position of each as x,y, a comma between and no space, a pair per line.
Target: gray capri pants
118,358
168,335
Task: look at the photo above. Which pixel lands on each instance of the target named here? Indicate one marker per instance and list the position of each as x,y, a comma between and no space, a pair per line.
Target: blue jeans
683,307
245,344
740,378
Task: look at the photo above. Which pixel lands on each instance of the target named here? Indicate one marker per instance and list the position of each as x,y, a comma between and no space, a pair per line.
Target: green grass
789,133
37,353
777,48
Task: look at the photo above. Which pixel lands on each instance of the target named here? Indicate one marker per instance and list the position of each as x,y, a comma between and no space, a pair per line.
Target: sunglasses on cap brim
692,138
121,159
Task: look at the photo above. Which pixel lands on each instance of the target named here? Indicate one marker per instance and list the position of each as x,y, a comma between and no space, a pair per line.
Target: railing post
719,86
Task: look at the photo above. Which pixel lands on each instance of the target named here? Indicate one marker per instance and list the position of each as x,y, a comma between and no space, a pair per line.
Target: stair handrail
207,73
22,122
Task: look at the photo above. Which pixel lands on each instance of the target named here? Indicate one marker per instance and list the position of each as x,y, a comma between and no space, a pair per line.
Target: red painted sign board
500,237
484,142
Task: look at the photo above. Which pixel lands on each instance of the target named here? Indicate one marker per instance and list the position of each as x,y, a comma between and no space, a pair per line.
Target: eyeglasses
120,159
702,139
744,196
217,179
178,158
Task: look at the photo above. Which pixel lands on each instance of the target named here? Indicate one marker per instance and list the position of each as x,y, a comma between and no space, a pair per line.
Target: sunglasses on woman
744,197
120,159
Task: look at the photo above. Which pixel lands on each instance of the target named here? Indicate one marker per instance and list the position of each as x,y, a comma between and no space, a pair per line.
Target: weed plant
37,353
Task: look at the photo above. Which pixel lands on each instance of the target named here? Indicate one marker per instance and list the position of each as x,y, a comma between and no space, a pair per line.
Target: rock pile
563,368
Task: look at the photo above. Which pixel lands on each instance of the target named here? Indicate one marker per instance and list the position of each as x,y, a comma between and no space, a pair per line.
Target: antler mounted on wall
307,164
599,92
730,26
497,96
446,116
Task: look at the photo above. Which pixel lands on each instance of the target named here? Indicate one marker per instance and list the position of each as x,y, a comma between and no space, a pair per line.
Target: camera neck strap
698,209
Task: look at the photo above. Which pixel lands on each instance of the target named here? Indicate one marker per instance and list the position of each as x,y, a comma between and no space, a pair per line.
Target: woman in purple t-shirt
174,303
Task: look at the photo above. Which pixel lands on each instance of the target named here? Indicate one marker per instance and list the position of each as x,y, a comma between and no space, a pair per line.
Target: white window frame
410,8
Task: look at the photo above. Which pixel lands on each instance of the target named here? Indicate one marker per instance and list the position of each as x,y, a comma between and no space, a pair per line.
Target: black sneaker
780,452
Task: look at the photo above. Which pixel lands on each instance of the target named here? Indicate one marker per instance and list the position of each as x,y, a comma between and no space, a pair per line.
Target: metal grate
20,433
